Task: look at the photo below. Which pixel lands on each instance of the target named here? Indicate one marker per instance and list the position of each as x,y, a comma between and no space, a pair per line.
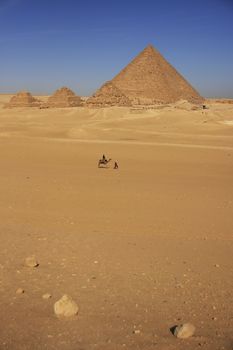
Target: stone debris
31,261
20,291
66,307
63,97
148,80
184,331
186,105
23,99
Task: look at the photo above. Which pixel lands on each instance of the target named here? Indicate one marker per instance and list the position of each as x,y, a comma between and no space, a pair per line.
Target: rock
31,261
46,296
184,331
20,291
66,306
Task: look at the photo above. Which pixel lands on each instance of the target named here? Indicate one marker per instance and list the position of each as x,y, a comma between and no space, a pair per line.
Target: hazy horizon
82,45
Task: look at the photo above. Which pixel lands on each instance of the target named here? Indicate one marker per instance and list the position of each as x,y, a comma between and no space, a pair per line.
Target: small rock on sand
184,331
19,291
66,306
31,261
46,296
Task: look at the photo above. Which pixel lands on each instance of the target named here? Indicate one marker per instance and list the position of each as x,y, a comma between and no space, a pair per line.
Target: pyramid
108,95
63,97
23,99
149,79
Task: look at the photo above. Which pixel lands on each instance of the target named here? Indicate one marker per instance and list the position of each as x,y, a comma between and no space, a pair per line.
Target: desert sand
140,249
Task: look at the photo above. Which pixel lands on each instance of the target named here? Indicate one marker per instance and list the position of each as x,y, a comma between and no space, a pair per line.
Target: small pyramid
149,79
108,95
23,99
63,97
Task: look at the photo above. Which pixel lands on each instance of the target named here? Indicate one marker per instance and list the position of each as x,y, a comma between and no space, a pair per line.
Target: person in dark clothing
115,166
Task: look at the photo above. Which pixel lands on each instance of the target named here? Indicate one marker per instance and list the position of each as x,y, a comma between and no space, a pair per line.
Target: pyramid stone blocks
108,95
63,97
148,80
22,99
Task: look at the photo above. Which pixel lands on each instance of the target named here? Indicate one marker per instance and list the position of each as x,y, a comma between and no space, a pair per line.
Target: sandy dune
143,248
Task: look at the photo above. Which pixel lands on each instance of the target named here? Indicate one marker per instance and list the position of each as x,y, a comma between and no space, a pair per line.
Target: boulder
66,307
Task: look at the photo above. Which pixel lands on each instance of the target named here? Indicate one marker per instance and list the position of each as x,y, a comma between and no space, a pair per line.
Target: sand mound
23,99
149,79
63,97
108,95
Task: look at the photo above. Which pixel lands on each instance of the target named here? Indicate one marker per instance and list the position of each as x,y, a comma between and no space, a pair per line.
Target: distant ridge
149,79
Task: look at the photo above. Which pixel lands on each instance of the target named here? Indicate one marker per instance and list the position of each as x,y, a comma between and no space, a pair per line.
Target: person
104,158
115,166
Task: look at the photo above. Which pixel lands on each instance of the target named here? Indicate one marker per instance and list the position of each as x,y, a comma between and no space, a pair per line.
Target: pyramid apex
149,48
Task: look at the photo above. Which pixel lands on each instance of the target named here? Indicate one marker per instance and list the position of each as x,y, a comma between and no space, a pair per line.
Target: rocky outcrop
108,95
63,97
23,99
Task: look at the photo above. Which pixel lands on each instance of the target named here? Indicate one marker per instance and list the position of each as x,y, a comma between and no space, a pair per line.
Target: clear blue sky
47,44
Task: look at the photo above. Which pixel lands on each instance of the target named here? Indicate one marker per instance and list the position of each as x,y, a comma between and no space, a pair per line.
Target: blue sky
47,44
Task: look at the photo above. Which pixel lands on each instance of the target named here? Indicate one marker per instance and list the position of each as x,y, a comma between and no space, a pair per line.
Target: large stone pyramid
108,95
149,79
63,97
23,99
